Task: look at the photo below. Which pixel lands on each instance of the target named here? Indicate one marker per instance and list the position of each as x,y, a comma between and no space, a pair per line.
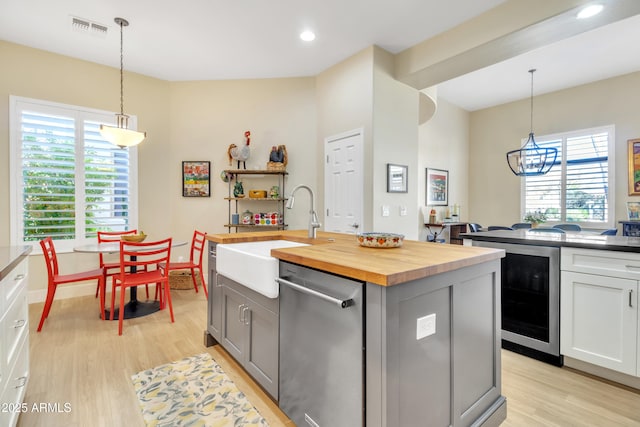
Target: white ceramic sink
252,265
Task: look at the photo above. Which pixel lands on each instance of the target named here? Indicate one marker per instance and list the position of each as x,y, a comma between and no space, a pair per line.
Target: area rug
193,392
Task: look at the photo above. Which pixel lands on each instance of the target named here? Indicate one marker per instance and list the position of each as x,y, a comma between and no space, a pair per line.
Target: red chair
136,260
195,261
56,279
112,268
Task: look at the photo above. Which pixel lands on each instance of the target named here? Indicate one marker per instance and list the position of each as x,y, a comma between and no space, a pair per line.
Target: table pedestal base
135,309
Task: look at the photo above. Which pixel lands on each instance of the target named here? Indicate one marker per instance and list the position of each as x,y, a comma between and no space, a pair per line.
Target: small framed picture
397,178
437,187
633,211
196,179
634,167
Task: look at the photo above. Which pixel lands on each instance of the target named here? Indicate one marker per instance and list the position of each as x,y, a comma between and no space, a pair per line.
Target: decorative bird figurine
240,154
278,154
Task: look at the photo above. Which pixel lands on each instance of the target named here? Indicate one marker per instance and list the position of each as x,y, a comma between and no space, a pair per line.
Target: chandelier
531,159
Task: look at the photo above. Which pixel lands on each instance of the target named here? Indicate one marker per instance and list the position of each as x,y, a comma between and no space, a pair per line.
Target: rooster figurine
240,154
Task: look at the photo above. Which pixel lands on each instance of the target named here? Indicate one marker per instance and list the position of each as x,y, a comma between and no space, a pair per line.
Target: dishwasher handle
339,302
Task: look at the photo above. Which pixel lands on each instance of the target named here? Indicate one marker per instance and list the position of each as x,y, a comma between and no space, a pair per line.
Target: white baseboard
63,292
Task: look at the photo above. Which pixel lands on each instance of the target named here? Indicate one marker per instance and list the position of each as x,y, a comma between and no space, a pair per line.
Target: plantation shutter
576,189
544,193
48,176
587,178
69,183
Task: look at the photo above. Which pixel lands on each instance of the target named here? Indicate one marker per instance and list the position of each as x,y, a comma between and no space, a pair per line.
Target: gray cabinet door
214,312
261,355
233,328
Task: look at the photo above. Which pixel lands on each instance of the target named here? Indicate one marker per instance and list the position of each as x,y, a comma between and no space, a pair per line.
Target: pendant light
531,160
121,135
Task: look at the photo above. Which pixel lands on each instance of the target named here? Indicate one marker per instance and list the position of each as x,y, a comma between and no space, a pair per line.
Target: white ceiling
212,39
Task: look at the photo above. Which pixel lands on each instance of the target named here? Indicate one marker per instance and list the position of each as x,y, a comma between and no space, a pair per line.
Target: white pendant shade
122,137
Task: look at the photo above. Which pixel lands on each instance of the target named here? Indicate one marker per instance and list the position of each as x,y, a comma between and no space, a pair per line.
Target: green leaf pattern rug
193,392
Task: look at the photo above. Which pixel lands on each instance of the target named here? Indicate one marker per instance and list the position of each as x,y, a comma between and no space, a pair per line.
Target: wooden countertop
341,254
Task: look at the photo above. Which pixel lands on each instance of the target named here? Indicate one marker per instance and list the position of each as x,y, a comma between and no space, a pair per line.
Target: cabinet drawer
604,263
15,326
11,284
16,384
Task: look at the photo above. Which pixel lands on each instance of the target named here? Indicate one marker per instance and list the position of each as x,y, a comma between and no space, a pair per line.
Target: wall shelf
234,202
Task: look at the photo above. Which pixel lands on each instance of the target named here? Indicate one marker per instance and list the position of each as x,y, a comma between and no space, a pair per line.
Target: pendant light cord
121,71
533,70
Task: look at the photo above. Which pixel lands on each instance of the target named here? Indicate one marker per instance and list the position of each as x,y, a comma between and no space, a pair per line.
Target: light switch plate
425,326
385,210
403,210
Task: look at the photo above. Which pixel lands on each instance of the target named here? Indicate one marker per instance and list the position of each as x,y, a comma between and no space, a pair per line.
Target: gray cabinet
448,376
249,332
214,312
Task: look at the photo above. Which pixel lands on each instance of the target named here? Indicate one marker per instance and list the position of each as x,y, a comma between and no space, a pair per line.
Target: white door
343,182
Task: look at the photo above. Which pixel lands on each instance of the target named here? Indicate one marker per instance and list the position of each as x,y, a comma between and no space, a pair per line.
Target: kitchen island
445,374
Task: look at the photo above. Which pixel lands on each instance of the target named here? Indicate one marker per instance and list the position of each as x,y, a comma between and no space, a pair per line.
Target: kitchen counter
341,254
575,239
10,256
430,324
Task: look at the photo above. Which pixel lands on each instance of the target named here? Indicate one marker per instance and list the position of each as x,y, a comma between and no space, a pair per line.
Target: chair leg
101,288
204,285
121,311
113,297
195,281
167,295
47,305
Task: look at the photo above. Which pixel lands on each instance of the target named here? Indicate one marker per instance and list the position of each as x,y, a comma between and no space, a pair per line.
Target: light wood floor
80,360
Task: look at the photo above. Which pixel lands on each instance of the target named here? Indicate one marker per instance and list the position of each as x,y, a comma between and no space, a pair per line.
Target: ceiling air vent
85,26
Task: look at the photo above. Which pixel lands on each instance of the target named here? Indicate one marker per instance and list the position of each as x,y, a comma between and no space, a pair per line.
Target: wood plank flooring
80,360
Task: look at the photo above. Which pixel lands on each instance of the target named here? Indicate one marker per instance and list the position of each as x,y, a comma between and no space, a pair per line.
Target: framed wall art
634,167
196,179
437,187
397,178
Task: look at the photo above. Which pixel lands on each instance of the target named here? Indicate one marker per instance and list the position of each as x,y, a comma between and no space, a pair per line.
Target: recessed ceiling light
307,36
590,11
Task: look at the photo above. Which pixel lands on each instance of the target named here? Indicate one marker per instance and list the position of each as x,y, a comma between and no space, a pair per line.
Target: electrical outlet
403,210
385,210
425,326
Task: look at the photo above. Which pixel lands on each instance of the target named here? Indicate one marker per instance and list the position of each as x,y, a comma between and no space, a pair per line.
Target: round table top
113,247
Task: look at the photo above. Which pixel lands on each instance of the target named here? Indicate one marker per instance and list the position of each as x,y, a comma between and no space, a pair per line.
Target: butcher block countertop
341,254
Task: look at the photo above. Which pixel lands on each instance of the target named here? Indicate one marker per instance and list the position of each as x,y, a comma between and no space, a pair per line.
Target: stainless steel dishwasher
321,348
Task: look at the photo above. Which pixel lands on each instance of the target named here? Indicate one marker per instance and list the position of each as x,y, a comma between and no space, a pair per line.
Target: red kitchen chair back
137,267
198,244
55,279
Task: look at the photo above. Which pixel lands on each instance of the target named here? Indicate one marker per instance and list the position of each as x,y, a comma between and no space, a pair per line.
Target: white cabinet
599,308
14,342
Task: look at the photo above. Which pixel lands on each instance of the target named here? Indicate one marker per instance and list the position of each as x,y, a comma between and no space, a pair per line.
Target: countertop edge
15,258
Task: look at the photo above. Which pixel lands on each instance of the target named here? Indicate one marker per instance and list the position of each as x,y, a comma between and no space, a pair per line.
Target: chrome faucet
313,218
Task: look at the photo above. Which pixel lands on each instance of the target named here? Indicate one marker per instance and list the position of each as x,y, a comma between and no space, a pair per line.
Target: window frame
563,136
80,115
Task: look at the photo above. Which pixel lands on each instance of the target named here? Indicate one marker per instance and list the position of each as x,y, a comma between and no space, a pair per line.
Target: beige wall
444,144
183,121
207,116
494,192
395,140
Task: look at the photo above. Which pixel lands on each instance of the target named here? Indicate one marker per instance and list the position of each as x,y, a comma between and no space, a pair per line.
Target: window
66,181
576,189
